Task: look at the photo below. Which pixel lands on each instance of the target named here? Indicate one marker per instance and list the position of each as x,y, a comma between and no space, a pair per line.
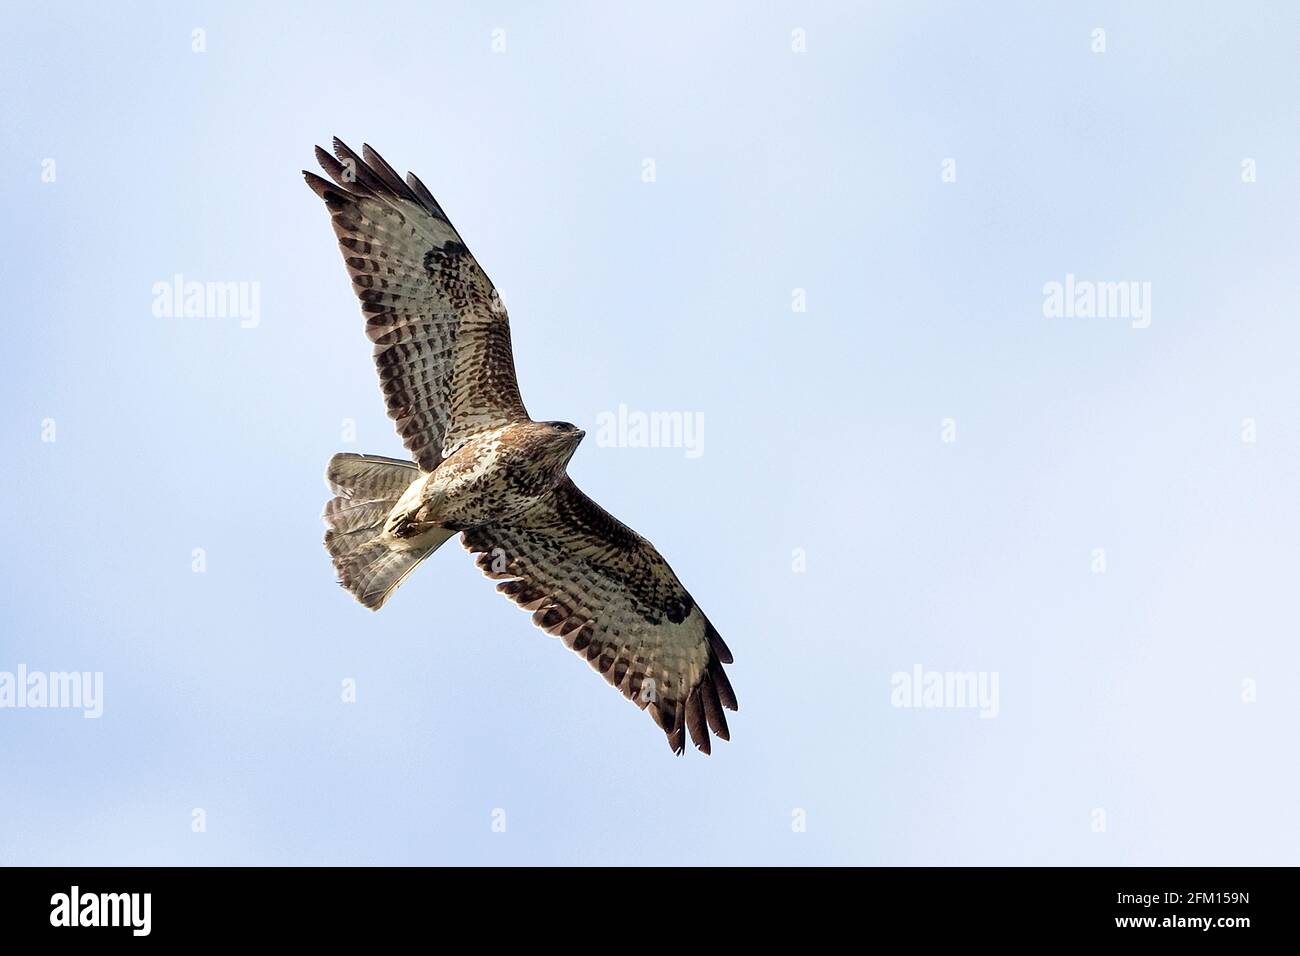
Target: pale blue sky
1120,692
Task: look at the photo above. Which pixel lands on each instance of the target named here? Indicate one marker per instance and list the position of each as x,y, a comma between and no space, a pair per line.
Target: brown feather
396,185
713,709
723,685
695,722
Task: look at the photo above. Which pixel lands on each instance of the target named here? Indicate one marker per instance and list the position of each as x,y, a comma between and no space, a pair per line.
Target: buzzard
482,468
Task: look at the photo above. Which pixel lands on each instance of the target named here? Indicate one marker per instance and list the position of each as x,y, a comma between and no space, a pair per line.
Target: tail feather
368,487
373,571
369,477
343,515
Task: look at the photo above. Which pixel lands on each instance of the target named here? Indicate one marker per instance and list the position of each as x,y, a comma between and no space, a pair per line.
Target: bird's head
566,431
560,440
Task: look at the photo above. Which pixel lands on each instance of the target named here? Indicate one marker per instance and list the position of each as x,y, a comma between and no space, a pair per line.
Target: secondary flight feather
485,470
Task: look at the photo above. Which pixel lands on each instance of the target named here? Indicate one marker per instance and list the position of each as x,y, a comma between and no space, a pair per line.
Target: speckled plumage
485,470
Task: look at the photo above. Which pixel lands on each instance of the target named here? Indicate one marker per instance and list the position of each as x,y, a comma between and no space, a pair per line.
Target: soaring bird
482,468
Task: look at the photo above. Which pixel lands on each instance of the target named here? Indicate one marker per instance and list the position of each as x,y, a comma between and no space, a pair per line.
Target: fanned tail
367,488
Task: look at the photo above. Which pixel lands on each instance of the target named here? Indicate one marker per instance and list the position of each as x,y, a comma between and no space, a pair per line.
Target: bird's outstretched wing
609,595
441,334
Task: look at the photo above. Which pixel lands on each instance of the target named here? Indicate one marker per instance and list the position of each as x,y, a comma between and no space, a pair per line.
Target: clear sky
905,467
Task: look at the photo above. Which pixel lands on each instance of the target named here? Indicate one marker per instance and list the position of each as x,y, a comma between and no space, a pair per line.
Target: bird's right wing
441,334
610,596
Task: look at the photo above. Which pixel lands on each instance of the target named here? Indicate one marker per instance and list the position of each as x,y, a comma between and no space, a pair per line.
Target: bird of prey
482,468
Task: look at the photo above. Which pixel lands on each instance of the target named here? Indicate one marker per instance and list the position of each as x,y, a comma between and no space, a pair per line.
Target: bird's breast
488,479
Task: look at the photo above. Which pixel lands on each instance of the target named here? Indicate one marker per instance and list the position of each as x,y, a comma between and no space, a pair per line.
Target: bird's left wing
612,598
441,334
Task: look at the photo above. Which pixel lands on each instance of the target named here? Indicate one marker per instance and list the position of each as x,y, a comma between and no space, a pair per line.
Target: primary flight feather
487,471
